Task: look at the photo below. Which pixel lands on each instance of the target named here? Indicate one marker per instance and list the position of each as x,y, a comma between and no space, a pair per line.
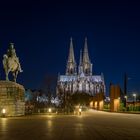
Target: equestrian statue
11,63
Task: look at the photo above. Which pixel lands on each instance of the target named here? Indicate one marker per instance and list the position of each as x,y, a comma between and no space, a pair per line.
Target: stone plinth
12,98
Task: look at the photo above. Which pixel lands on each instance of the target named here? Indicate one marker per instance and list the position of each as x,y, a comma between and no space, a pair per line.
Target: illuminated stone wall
12,98
98,101
114,98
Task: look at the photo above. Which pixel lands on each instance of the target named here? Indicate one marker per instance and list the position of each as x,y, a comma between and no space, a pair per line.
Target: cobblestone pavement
91,125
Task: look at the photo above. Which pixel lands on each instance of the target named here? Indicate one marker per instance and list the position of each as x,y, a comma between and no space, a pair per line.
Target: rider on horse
11,62
11,52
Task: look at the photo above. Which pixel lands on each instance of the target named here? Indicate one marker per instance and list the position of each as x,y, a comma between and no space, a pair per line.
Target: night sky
41,32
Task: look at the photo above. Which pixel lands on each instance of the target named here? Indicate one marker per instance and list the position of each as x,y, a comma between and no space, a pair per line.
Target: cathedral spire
85,53
71,52
71,64
87,66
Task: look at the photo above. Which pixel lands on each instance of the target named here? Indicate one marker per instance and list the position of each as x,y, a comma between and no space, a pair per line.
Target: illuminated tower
71,63
87,66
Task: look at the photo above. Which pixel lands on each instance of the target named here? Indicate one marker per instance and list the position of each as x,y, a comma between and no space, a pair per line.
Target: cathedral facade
80,79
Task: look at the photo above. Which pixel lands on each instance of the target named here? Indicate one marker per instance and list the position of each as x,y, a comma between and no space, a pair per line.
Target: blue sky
41,32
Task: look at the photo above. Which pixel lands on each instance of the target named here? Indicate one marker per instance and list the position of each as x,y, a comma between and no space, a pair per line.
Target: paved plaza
91,125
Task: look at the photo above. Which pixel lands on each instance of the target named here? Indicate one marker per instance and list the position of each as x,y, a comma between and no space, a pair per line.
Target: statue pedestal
12,99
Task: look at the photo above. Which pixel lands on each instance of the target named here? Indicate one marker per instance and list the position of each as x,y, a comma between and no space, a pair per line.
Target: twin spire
85,54
71,52
71,64
84,64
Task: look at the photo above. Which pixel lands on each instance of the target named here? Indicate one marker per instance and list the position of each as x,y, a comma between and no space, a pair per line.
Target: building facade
81,78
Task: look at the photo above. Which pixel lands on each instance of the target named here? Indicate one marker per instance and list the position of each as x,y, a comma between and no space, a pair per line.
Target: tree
48,87
81,98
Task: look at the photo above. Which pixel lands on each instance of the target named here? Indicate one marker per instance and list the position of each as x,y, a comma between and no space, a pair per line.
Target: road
91,125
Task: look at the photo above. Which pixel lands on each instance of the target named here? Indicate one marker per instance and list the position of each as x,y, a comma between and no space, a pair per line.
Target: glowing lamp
50,110
80,110
134,95
3,111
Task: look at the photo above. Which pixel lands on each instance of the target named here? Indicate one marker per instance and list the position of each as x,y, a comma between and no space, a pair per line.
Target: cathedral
80,79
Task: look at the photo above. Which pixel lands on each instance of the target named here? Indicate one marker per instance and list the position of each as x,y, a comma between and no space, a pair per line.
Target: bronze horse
11,64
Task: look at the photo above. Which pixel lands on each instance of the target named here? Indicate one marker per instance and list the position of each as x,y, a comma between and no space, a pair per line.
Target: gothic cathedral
81,80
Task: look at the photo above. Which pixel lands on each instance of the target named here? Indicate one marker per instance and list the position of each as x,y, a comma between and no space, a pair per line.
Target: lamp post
125,99
3,112
80,110
134,99
50,111
134,95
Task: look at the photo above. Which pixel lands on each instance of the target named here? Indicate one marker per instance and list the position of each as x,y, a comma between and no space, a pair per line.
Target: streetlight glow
125,97
3,111
50,110
134,94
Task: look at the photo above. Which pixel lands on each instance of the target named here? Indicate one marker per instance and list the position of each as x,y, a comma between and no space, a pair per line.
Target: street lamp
125,98
125,101
134,95
134,99
3,112
50,110
80,110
